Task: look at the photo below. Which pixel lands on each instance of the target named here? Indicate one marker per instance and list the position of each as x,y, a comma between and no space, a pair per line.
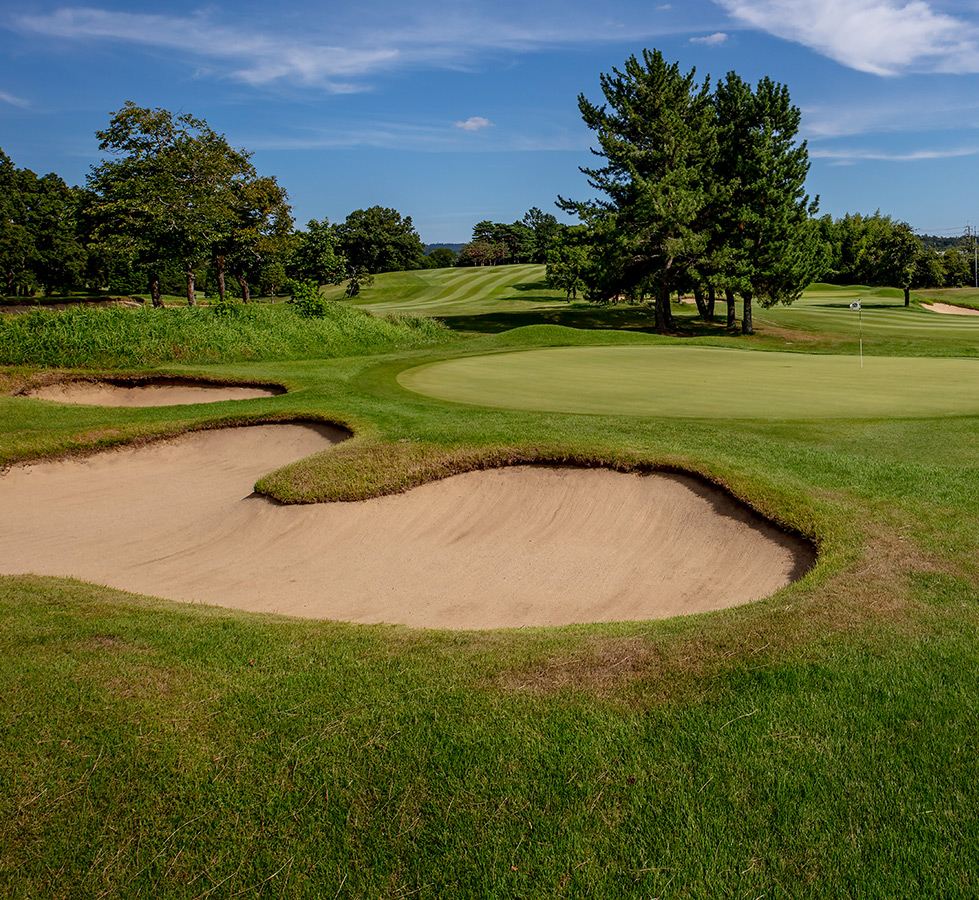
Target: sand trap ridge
507,547
157,392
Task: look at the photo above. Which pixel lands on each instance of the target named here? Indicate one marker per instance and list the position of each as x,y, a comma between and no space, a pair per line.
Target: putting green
704,382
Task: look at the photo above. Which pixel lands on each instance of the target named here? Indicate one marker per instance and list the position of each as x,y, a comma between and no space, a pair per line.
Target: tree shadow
531,286
608,318
864,304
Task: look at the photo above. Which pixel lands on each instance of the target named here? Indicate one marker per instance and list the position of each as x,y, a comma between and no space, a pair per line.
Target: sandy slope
510,547
162,393
950,309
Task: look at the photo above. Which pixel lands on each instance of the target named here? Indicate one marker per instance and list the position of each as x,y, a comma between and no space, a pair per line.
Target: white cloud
883,37
474,123
712,40
12,100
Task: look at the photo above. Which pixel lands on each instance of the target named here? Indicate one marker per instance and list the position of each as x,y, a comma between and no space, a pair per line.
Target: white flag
855,304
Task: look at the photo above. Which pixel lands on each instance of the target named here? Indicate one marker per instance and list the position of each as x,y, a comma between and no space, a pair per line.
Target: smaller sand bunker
523,546
152,392
949,309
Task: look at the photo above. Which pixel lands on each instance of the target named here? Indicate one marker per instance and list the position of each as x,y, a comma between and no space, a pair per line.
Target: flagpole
856,305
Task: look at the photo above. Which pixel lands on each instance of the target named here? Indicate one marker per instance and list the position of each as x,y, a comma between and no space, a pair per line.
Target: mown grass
111,337
682,381
819,743
458,292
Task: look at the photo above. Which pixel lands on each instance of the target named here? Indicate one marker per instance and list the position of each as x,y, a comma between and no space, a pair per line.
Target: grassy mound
114,337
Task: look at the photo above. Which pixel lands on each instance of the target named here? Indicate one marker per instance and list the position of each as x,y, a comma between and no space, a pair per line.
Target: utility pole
975,252
975,257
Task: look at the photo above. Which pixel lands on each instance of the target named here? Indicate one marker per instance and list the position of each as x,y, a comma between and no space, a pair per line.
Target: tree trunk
191,299
711,300
747,326
907,296
664,315
246,294
156,295
221,288
732,318
698,295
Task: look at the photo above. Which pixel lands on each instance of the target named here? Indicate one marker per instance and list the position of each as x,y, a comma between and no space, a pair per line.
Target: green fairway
884,317
456,292
704,382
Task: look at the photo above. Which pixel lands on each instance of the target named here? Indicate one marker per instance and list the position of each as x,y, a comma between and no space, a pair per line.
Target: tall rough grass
118,337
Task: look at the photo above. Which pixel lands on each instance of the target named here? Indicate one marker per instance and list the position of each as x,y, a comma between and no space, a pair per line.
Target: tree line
701,189
175,206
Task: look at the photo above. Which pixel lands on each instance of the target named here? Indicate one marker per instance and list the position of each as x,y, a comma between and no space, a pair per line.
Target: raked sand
165,392
508,547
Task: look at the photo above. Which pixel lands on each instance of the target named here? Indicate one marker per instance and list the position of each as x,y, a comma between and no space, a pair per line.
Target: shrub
308,300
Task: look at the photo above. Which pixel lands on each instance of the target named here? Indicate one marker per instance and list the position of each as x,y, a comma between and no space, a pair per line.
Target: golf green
704,382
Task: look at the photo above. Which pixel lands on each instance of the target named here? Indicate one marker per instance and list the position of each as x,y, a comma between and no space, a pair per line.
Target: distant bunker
512,547
949,309
704,382
149,392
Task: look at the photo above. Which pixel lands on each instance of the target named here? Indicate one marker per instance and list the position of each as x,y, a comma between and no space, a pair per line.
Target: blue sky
453,112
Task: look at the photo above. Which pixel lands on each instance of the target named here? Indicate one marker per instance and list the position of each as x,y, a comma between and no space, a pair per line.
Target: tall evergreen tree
657,138
764,213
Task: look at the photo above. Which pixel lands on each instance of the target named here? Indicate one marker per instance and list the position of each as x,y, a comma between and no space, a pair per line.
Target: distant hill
456,248
934,242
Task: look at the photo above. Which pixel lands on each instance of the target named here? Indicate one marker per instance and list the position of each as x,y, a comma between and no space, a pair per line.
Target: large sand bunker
506,547
950,309
154,392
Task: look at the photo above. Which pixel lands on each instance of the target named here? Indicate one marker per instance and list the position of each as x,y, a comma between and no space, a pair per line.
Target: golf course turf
820,742
688,381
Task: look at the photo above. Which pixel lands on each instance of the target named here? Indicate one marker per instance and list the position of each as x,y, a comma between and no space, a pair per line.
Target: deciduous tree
169,192
380,240
316,254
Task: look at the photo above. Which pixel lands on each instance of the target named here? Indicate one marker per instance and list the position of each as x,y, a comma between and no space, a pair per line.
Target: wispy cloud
13,101
851,156
474,123
429,136
883,37
354,50
909,112
712,40
260,58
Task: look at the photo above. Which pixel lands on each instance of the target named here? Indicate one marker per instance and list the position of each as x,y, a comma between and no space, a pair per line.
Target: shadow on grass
617,318
532,286
864,304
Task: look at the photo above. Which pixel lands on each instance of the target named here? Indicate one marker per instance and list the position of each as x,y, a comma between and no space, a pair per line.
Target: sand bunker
158,392
949,309
507,547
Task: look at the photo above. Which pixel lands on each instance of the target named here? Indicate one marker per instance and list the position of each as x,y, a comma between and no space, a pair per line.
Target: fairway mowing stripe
483,286
470,286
